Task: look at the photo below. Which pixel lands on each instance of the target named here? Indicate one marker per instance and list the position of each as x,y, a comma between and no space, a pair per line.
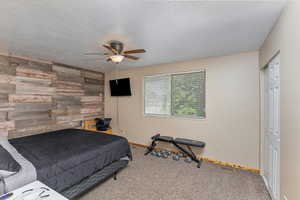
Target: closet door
272,128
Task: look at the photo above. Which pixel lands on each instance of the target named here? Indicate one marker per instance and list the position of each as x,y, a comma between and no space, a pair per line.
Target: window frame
170,115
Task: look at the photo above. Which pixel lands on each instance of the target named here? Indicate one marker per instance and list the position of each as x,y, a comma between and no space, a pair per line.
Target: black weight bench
177,142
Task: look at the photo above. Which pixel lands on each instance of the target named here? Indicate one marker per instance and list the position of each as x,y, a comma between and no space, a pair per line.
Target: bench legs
189,153
199,163
151,147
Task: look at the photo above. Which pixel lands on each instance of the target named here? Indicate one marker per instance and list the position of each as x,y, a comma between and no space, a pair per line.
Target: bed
72,161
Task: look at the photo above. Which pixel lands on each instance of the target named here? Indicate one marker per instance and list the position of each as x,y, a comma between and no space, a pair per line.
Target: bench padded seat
190,142
165,138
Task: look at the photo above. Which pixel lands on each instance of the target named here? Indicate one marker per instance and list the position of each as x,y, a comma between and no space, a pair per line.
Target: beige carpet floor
152,178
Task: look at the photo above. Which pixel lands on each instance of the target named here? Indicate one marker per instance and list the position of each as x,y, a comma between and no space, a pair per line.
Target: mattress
66,157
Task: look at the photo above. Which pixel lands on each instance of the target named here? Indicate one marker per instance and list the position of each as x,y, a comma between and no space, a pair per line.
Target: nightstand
91,126
109,131
33,190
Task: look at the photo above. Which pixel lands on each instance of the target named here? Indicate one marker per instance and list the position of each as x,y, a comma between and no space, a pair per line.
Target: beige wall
286,38
231,129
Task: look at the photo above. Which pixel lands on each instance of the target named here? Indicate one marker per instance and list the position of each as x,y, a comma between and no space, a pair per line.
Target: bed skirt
98,177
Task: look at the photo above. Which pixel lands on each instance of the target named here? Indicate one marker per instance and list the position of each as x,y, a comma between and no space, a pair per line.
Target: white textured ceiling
170,30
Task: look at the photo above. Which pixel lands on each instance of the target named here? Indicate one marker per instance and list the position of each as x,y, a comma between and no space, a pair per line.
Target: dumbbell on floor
154,152
176,157
188,160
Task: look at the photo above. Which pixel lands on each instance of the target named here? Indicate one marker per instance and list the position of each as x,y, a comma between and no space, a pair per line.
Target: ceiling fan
116,48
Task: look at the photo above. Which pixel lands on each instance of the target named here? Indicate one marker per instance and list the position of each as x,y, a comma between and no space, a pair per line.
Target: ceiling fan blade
111,49
135,51
96,54
91,59
131,57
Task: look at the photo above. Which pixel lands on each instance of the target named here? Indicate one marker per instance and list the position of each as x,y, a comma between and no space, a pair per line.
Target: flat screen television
120,87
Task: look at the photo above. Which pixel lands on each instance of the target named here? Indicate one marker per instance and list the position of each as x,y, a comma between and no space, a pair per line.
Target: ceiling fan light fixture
116,54
116,58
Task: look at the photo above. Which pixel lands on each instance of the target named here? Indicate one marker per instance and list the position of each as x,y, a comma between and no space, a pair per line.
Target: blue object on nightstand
102,124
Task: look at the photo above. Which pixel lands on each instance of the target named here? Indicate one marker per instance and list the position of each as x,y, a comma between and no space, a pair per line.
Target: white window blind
158,95
176,94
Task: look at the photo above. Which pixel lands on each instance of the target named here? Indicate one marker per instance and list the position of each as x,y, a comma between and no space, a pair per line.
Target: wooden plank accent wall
37,97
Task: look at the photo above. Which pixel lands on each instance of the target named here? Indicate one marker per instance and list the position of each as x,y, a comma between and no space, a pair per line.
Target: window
175,94
158,95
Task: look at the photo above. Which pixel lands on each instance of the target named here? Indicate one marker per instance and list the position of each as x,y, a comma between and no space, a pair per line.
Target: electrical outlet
284,197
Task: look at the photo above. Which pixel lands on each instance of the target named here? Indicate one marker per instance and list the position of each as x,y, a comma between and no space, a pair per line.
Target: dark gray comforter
64,158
